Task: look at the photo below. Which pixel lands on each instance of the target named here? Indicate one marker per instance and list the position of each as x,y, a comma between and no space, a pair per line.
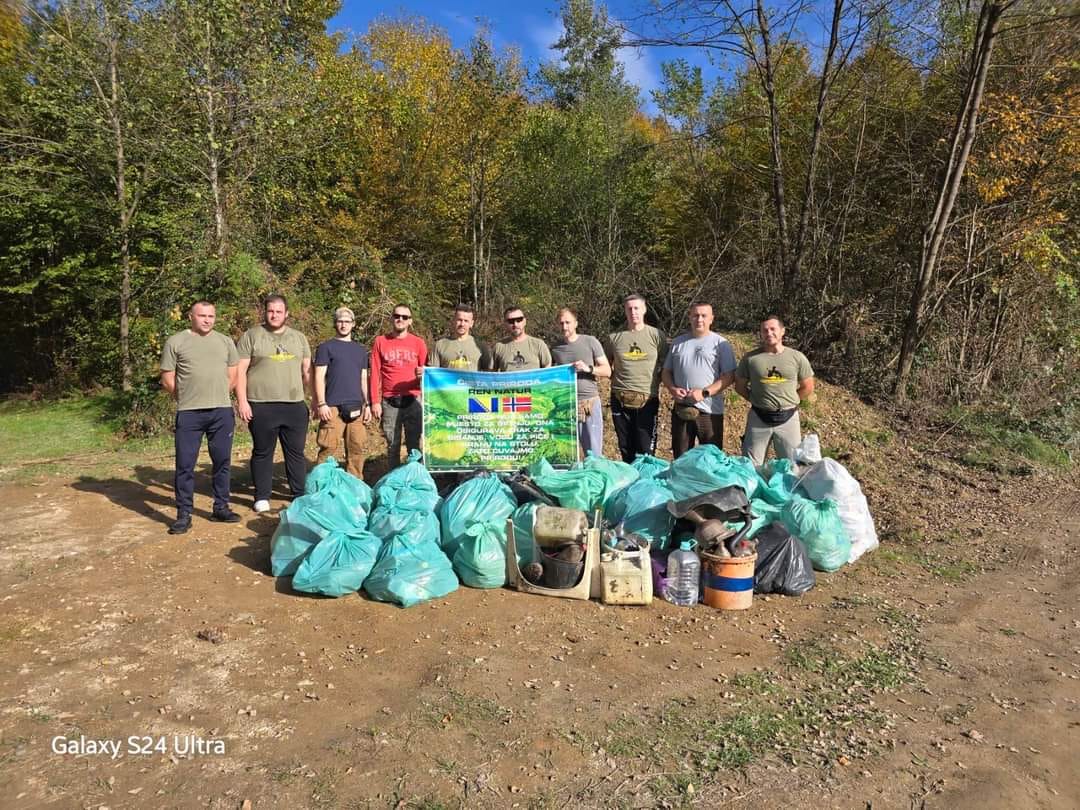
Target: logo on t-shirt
704,355
281,354
773,377
634,352
461,361
519,360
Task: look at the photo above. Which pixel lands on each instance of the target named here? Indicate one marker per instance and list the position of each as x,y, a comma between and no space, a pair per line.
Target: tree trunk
766,68
124,218
793,270
213,157
934,233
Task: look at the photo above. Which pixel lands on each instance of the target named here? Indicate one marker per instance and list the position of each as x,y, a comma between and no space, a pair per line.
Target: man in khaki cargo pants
341,395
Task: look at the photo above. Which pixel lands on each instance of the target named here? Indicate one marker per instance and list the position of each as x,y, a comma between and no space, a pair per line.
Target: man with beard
586,355
636,353
396,360
519,351
461,351
341,402
272,376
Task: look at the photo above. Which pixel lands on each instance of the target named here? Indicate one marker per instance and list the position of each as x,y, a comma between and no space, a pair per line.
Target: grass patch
453,707
1001,440
77,436
952,571
756,683
48,430
877,438
892,560
821,709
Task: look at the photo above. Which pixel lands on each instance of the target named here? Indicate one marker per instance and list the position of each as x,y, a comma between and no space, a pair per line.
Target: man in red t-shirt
395,384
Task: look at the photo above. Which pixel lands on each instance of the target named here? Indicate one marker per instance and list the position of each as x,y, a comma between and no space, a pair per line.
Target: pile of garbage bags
401,542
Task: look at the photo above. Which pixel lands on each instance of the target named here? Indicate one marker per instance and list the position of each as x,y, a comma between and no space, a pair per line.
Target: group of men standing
271,370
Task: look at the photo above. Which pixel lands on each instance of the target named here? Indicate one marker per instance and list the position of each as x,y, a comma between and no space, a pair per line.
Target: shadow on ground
150,492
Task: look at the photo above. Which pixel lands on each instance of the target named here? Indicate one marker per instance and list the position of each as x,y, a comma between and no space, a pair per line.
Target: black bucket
559,574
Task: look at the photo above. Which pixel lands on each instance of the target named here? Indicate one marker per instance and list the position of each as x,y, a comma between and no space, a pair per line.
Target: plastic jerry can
626,577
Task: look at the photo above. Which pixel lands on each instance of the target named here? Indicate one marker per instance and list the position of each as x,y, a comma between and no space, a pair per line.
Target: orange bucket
728,582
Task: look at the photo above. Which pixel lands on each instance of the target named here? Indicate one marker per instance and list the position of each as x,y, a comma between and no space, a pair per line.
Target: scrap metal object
710,512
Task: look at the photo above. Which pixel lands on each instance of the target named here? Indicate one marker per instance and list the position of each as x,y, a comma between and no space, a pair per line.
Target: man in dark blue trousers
198,367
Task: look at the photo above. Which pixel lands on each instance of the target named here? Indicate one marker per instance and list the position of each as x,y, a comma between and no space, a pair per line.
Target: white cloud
544,35
637,63
639,69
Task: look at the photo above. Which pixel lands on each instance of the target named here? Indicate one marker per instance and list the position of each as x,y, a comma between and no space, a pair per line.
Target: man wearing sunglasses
519,351
396,358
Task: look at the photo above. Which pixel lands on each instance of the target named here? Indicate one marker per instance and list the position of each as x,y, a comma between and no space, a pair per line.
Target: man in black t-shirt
341,395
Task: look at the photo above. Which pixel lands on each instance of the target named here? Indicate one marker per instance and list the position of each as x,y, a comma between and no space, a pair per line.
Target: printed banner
499,421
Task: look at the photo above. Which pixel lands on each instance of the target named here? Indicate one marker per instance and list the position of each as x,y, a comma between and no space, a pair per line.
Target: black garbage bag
783,566
526,490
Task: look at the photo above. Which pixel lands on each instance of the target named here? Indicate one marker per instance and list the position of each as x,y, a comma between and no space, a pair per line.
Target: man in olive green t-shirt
198,368
461,351
774,379
637,354
519,352
272,377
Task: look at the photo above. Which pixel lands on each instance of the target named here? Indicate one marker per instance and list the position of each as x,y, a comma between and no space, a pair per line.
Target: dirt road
899,681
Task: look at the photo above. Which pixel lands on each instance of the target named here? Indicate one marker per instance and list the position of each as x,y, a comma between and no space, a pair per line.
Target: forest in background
902,189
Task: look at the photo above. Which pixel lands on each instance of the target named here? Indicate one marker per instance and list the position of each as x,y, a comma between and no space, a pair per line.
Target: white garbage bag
829,478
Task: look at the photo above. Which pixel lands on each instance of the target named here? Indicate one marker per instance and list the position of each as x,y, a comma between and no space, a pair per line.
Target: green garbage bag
617,474
523,537
779,486
411,568
764,514
331,476
410,487
706,467
651,466
818,525
642,509
480,561
481,499
305,523
339,564
576,488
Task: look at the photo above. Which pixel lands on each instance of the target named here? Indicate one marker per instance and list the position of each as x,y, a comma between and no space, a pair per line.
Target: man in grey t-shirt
198,368
698,367
585,354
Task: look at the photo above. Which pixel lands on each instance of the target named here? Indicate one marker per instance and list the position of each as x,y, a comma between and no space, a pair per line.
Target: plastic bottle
683,575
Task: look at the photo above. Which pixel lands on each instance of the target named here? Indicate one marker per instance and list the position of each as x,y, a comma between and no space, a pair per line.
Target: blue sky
532,26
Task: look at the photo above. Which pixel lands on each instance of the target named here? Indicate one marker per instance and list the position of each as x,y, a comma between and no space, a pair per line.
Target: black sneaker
181,525
226,515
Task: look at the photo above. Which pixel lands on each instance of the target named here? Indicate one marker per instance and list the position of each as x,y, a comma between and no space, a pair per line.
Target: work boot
225,515
181,525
